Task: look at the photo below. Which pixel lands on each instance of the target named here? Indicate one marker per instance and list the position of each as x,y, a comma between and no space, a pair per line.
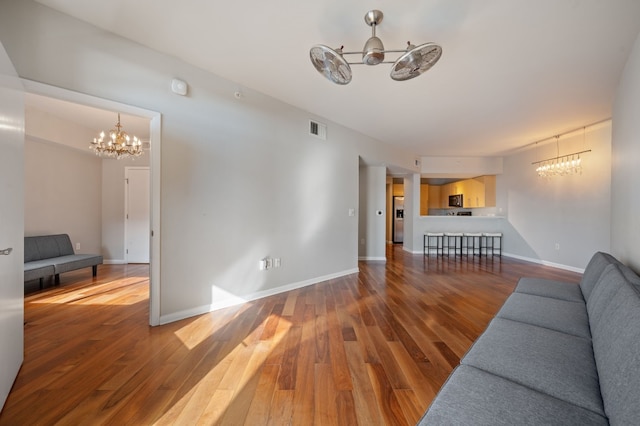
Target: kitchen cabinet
424,199
477,192
434,196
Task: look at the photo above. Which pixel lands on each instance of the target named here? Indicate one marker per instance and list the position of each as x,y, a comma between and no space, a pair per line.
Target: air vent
319,130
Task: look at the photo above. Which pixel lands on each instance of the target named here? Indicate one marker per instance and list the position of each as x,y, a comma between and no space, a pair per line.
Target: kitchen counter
425,224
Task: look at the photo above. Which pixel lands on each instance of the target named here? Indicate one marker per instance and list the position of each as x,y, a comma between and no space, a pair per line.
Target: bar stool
473,240
429,237
491,238
457,242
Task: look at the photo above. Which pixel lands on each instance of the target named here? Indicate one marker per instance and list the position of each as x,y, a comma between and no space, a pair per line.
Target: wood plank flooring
371,348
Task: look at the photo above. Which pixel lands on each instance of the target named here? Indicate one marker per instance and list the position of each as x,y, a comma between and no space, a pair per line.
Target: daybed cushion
555,314
54,245
474,397
76,261
547,361
38,269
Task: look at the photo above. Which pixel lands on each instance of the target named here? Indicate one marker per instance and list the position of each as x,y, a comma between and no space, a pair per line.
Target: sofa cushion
544,360
550,288
616,347
474,397
630,276
594,270
555,314
76,261
611,282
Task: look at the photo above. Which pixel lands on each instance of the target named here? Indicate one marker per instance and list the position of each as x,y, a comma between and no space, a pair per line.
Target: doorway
154,173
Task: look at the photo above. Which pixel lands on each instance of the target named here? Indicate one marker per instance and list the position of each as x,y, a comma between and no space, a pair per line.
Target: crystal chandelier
118,144
560,165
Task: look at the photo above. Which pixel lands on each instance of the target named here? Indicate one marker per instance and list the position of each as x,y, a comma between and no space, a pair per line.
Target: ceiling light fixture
414,60
119,144
561,165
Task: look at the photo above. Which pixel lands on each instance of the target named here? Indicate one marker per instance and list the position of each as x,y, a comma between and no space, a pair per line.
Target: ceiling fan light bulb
373,51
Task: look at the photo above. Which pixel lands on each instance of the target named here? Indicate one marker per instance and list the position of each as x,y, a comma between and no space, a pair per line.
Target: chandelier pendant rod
560,156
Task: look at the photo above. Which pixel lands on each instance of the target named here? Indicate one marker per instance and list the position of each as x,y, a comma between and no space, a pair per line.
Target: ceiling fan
413,61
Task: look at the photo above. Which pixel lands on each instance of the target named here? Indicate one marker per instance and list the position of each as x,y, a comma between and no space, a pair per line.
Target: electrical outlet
557,246
262,265
276,262
77,246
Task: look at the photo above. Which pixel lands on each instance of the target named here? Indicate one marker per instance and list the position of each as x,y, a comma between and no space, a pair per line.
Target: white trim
114,262
372,259
408,250
155,141
545,263
176,316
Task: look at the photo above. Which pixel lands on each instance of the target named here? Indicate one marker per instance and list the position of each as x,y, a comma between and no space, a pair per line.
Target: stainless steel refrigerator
398,219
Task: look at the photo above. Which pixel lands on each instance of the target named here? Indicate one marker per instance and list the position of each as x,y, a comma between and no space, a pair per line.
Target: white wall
63,186
241,179
372,226
573,211
411,212
625,173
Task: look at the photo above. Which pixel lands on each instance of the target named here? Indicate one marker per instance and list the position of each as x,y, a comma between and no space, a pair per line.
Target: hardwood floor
370,348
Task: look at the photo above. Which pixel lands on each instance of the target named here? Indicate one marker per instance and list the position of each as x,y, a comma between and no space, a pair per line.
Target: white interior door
137,225
11,225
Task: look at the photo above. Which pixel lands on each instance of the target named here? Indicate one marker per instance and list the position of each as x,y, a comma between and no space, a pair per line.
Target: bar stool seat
473,241
429,238
456,237
493,242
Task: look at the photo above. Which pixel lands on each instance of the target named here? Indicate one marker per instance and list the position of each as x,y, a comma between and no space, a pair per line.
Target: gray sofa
51,255
555,354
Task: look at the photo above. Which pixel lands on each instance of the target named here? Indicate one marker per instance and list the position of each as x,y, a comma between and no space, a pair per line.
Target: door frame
126,208
155,140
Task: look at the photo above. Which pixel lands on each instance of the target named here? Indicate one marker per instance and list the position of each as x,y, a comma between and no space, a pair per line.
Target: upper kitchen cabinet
476,192
479,191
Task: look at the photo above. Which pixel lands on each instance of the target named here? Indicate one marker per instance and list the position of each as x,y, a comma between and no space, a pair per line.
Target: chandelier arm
560,156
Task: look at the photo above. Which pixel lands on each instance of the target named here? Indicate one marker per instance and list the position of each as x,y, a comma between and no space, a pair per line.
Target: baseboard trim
545,263
372,259
411,251
114,262
187,313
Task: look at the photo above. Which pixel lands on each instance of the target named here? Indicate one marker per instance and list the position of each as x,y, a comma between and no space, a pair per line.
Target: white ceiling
512,71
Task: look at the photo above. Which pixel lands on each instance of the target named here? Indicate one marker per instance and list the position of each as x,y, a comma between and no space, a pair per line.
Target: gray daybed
51,255
555,354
